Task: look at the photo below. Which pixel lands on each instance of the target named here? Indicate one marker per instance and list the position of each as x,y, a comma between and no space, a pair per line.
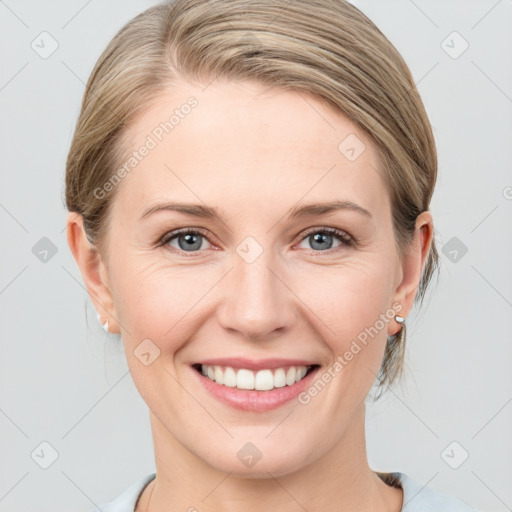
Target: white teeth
261,380
244,379
219,376
230,377
290,376
279,378
264,380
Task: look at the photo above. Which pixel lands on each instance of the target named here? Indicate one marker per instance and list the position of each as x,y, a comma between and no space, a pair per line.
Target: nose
257,301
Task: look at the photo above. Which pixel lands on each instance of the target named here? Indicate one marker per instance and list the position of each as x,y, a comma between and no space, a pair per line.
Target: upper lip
251,364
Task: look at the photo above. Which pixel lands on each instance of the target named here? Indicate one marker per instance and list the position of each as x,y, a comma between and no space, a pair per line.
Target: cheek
154,301
355,315
156,309
352,299
355,310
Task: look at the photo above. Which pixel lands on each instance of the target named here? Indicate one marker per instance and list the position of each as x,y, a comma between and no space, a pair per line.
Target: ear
412,267
93,270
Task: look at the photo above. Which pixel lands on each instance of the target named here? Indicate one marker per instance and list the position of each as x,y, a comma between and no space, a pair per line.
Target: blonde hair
327,48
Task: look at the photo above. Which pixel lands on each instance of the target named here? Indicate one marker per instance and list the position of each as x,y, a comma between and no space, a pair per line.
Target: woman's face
259,279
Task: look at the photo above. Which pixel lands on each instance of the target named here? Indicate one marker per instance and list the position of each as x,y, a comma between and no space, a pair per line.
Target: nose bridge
256,301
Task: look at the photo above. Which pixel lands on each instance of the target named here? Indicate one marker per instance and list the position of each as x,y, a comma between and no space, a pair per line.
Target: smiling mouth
261,380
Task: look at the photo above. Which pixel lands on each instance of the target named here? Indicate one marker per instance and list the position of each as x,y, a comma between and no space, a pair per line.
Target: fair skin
254,155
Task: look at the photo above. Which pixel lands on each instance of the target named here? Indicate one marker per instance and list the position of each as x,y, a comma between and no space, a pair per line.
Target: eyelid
330,230
170,235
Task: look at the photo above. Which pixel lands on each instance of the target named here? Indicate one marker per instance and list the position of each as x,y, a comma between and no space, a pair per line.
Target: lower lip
253,400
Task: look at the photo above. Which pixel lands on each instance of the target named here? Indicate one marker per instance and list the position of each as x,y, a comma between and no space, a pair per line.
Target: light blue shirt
417,498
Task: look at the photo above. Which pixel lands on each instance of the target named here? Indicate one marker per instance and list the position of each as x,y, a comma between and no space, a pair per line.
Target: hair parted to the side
327,48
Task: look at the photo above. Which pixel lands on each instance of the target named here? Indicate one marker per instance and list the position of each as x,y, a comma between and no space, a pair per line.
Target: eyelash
348,241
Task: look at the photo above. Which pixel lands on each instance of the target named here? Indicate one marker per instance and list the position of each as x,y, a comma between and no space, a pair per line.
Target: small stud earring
400,319
105,325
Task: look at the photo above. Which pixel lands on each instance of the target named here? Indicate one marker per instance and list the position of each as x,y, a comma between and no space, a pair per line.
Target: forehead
245,143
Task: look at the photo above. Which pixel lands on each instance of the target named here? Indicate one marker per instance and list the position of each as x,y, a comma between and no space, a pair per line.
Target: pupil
319,238
191,241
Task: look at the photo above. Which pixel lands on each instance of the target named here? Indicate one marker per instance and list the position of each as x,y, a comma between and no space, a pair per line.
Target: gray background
65,382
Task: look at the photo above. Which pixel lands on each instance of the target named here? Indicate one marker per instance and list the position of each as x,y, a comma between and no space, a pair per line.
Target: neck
339,479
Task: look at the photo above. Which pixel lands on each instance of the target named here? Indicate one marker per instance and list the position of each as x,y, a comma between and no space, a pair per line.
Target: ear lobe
91,267
413,264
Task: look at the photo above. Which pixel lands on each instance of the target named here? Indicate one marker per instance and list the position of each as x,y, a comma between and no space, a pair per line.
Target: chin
259,459
264,468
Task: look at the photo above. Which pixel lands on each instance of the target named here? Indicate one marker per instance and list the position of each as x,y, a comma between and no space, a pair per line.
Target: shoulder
126,501
419,498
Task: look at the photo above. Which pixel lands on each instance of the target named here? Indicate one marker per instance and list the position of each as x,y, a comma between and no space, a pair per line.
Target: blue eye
191,240
320,237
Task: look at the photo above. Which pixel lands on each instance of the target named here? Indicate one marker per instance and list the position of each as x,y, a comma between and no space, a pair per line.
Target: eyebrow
207,212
